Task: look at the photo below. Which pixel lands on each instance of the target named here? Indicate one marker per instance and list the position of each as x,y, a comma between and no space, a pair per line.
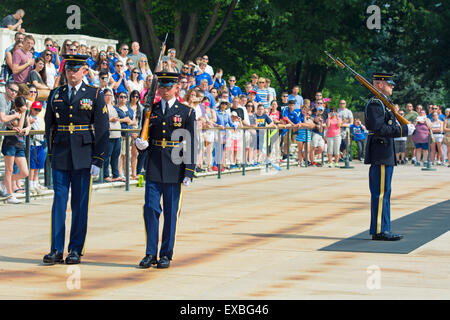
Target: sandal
20,190
108,179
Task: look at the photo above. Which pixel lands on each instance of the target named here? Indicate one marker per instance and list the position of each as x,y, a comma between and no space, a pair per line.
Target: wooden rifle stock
371,88
151,95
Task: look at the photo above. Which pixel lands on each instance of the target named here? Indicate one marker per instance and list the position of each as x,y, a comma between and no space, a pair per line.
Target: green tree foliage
280,39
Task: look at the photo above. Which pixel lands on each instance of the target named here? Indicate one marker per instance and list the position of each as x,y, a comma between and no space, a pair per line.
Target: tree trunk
219,32
126,9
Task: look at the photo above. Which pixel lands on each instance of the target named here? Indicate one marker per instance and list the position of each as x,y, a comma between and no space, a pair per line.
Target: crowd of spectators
314,130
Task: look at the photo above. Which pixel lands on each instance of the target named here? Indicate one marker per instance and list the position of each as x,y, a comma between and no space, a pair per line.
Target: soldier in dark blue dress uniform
170,165
380,154
77,129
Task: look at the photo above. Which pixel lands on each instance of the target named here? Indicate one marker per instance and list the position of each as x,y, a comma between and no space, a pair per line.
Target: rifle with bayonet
152,93
371,88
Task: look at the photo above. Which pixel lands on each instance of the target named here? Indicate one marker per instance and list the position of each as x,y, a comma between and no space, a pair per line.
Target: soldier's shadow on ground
297,236
38,262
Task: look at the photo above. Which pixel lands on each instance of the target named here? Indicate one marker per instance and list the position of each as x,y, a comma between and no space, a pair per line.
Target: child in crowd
235,141
37,148
358,131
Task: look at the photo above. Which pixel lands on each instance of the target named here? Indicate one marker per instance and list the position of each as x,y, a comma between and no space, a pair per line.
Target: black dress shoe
386,236
73,258
163,262
53,257
148,261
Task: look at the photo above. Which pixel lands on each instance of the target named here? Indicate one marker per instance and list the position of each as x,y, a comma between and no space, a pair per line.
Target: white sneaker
13,200
2,187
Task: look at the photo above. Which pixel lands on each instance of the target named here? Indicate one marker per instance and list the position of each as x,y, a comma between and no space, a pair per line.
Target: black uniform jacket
80,147
383,128
166,163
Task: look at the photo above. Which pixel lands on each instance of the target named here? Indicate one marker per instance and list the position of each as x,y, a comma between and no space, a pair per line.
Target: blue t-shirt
358,132
202,76
91,62
121,87
298,100
235,92
295,116
263,120
219,84
257,98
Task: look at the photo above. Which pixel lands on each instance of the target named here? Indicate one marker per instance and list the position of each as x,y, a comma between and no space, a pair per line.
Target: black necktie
73,92
165,107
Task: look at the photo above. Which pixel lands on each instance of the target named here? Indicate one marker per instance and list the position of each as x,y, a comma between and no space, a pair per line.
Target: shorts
409,142
438,137
37,157
446,140
233,145
12,151
423,146
302,136
333,144
123,145
317,140
400,146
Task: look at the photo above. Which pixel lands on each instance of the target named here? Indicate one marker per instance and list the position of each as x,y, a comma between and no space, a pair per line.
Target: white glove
411,129
141,144
95,171
187,181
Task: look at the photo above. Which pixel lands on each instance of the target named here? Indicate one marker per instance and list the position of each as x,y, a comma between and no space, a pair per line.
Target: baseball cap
291,102
252,91
36,105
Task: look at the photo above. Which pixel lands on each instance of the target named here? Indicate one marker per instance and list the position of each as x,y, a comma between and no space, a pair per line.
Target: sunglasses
32,92
13,90
136,72
104,78
232,80
137,97
48,54
119,65
126,49
122,97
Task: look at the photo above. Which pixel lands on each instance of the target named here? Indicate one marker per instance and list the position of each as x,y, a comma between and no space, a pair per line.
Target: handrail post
306,147
27,179
288,148
347,164
219,155
127,161
244,158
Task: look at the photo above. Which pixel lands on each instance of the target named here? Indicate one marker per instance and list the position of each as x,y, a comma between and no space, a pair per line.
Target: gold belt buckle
71,128
163,143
